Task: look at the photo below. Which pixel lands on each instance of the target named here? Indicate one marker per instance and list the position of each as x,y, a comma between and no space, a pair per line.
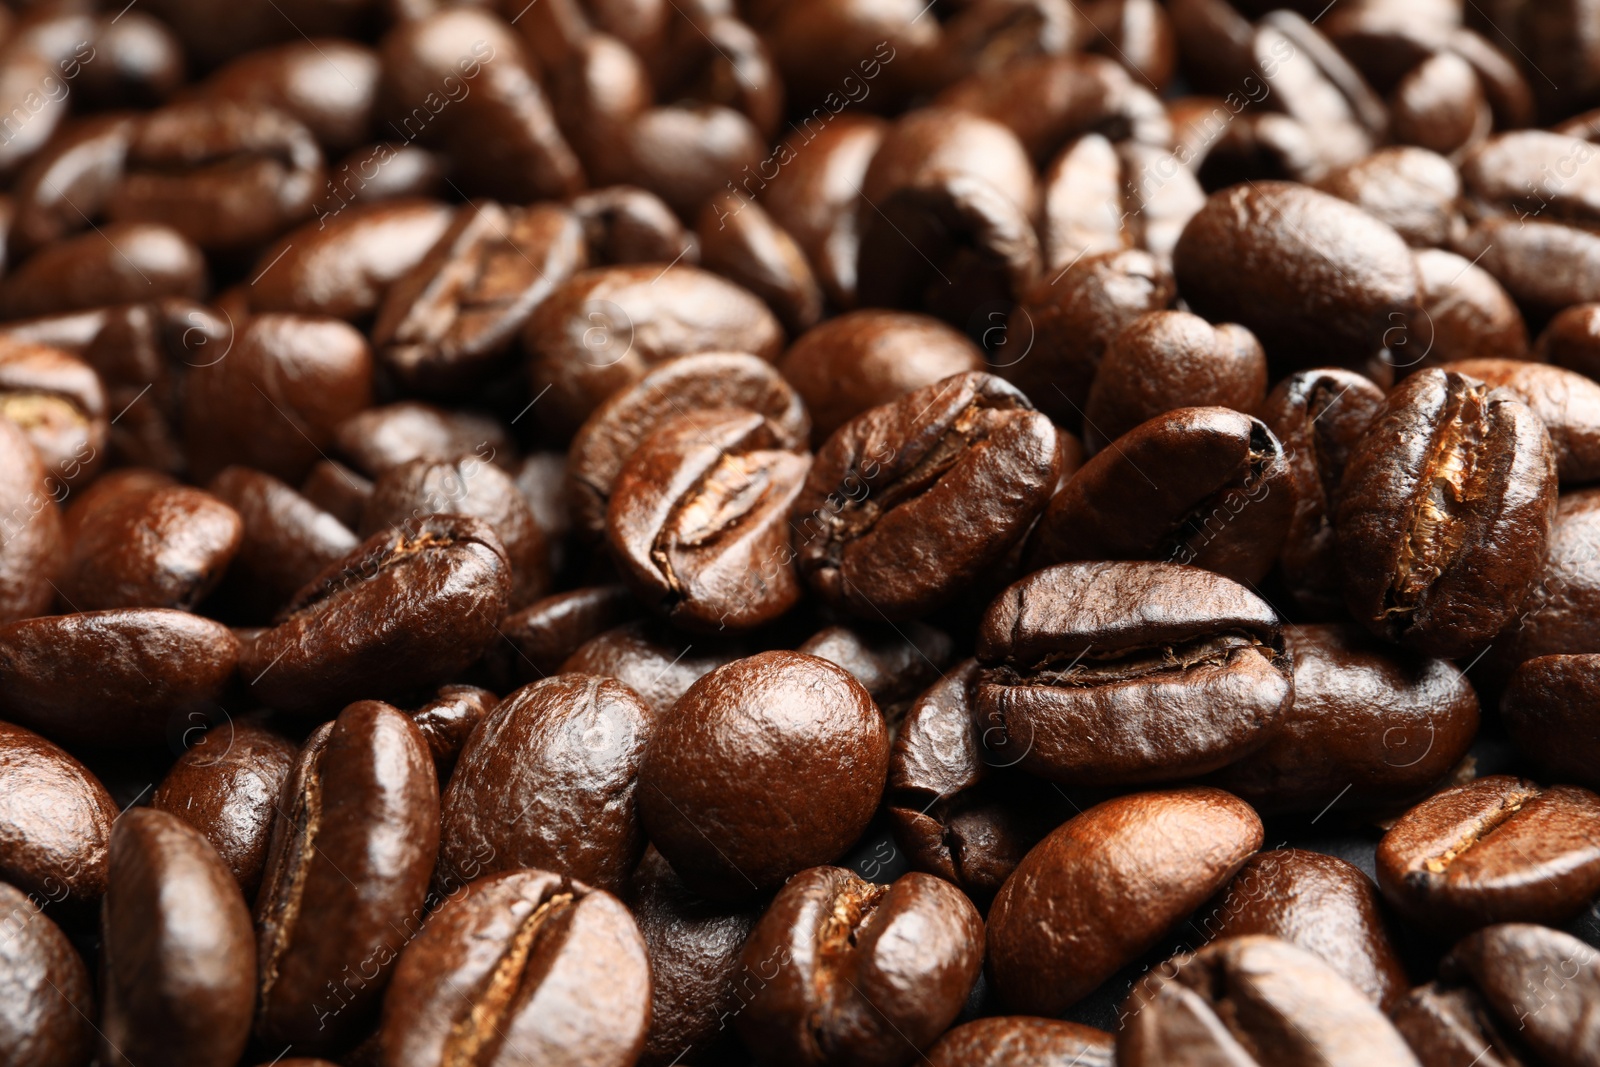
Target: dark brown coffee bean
652,659
343,263
1534,174
1546,266
126,676
1316,279
1080,661
817,50
1447,1025
897,515
274,400
1106,886
892,665
739,240
330,86
846,984
226,175
1253,1001
1440,105
548,781
626,224
1500,849
1448,474
448,720
118,263
59,402
799,726
401,612
337,490
523,967
1412,189
1541,985
387,170
227,787
31,546
1572,340
46,1018
1566,402
982,39
620,425
1171,359
354,842
697,985
56,824
384,437
698,521
68,182
545,633
1370,727
1466,314
1015,1040
599,86
1207,486
448,323
688,153
1104,197
862,359
1320,903
1549,709
1559,615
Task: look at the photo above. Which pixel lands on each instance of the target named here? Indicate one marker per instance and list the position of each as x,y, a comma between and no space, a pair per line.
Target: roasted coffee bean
127,676
619,426
155,546
1466,314
67,183
654,660
688,153
177,952
353,844
31,550
388,170
766,766
59,402
47,1016
1081,661
1319,415
384,437
548,781
863,359
227,787
545,633
1412,189
1549,708
601,330
343,263
274,400
1207,486
227,175
55,821
1316,279
897,516
1546,266
1015,1040
1104,197
337,490
698,521
1559,616
892,665
1106,886
448,720
1440,105
697,984
1449,1024
1171,359
846,981
1254,1001
1567,403
1500,849
1320,903
1447,475
286,541
1572,340
400,613
120,263
625,224
403,495
1534,174
1058,334
739,240
524,967
331,87
448,323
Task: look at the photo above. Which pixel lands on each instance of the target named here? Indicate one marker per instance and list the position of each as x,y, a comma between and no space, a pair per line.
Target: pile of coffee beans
807,533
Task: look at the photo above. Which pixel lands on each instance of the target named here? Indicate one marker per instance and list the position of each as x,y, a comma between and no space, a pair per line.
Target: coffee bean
353,844
1544,265
1440,104
624,224
120,263
800,727
1566,402
1447,1025
448,720
1547,709
1447,473
331,87
379,438
1106,886
1572,340
843,979
1559,615
687,154
59,402
47,1015
385,171
1466,315
1410,188
437,587
286,540
67,183
742,242
337,490
545,633
57,819
1104,197
521,967
654,660
31,552
1500,849
1013,1040
1540,982
892,665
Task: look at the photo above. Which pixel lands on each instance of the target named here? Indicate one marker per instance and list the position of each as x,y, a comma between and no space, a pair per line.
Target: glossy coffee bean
49,1004
619,426
739,240
382,437
31,549
651,658
1106,886
177,950
1548,708
1082,660
1572,340
1254,1001
1172,359
1567,403
1448,473
1410,188
1206,486
895,519
331,87
697,983
286,539
447,721
1544,265
853,984
1466,314
1538,982
60,403
1320,903
892,664
1102,197
1316,279
127,676
121,263
1500,849
79,166
799,726
549,781
1557,618
1370,728
698,520
1013,1040
353,845
688,153
626,224
522,968
57,821
540,637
